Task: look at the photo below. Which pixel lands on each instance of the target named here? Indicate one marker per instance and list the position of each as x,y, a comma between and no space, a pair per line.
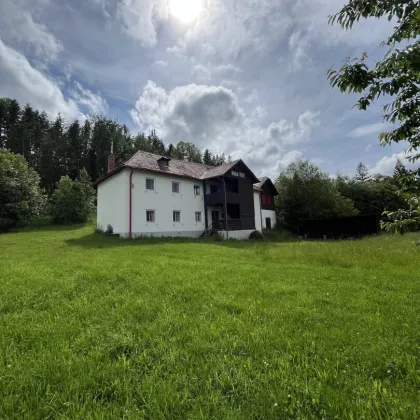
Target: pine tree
4,109
399,169
362,173
207,157
157,144
12,125
75,150
170,150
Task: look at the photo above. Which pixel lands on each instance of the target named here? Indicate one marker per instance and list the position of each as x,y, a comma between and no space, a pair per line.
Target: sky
243,77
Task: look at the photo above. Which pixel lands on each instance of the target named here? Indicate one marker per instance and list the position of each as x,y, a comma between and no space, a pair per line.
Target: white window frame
173,216
235,173
200,214
179,187
241,174
199,190
151,179
154,216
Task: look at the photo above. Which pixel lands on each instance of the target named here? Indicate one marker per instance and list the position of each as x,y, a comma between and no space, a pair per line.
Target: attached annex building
152,195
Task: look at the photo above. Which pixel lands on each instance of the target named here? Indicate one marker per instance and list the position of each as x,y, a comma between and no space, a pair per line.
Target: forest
56,148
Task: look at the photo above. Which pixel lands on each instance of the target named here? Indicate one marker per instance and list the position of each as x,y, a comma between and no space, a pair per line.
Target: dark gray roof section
261,182
150,162
219,170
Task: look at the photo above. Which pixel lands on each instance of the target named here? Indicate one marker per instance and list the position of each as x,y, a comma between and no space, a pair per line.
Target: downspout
130,210
226,215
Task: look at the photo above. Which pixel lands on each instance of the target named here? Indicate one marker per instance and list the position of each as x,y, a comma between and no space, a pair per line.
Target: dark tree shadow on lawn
97,240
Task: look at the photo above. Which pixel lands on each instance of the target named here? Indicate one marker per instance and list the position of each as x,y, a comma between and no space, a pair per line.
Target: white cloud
27,84
211,117
298,48
312,16
368,129
18,25
94,103
386,165
161,63
227,68
202,73
234,27
139,19
368,148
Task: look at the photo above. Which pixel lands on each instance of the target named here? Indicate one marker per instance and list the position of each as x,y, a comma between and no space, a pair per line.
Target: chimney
111,159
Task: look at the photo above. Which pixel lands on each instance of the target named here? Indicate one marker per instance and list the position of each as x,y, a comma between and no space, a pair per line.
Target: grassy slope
96,327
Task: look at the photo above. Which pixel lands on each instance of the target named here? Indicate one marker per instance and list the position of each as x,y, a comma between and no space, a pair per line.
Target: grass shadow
96,240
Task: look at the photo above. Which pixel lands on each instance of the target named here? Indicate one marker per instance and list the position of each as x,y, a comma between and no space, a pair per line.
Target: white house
153,195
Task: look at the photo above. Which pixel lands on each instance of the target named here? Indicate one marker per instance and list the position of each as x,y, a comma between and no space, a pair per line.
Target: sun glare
186,10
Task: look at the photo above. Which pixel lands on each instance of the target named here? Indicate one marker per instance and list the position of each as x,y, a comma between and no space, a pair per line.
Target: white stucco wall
272,215
112,205
163,201
257,209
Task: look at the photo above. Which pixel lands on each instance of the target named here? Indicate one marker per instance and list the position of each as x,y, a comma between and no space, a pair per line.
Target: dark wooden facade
235,194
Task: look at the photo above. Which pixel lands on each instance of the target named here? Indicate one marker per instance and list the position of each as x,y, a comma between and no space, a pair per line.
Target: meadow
94,327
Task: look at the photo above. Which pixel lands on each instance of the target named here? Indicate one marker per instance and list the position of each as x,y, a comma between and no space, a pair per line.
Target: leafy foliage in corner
396,75
72,201
306,193
407,219
402,221
256,236
20,196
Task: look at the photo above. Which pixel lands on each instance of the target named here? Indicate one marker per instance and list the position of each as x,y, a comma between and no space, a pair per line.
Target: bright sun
186,10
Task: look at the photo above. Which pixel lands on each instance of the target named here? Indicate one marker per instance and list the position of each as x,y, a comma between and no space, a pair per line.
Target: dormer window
163,162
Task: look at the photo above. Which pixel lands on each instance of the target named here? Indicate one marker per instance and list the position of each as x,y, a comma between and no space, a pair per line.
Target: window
175,187
176,216
150,184
213,189
263,199
196,190
198,216
235,173
150,215
232,185
269,200
241,174
233,211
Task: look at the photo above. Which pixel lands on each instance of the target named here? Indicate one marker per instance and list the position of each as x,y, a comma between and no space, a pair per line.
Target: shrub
256,236
21,200
72,201
109,230
215,236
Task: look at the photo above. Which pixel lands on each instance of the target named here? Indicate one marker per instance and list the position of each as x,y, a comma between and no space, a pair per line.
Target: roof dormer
163,162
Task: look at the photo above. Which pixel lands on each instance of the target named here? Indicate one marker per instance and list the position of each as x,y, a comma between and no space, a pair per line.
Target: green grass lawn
97,327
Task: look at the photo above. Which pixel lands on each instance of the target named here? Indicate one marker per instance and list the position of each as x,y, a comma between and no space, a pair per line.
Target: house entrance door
215,217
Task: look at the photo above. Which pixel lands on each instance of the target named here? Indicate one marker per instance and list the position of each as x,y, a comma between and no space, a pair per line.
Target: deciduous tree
20,196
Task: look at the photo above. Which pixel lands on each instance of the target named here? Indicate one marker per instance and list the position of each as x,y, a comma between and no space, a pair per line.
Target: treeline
307,193
56,148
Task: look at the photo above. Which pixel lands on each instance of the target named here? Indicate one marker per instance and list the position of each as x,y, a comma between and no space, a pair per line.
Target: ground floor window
150,215
267,223
176,216
198,216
